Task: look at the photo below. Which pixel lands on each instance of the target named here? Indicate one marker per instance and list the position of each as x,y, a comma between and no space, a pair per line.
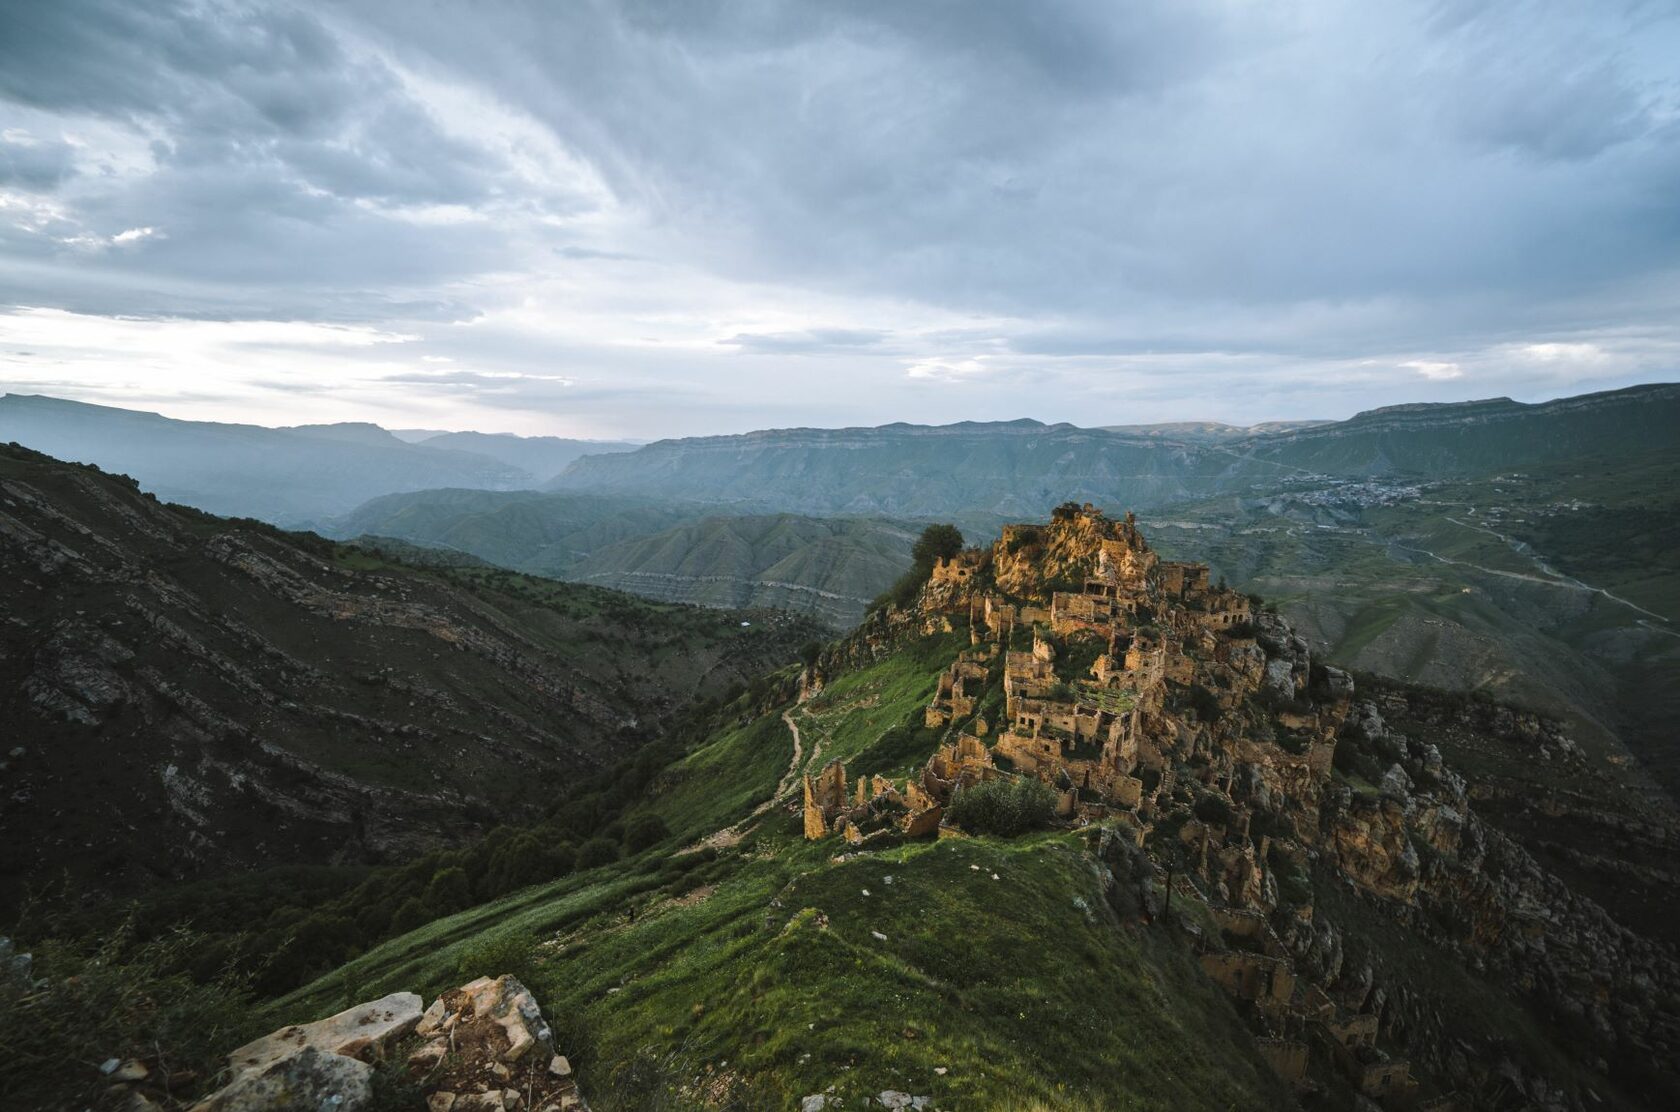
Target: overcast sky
647,219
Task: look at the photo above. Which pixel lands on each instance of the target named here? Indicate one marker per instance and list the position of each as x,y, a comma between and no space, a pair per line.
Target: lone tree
937,542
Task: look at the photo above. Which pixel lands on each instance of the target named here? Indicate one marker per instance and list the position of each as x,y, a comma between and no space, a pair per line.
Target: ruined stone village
1192,738
1167,707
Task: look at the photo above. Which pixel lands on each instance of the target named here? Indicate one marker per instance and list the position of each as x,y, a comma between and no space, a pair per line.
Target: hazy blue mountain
829,567
286,476
1475,438
1018,469
543,457
526,530
1009,469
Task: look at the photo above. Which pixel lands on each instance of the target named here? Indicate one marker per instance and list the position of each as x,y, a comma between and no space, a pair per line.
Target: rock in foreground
483,1047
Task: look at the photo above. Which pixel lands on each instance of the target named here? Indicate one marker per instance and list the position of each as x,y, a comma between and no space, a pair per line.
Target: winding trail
793,768
732,834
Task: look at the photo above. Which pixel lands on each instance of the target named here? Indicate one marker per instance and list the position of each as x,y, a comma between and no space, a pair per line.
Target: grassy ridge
769,970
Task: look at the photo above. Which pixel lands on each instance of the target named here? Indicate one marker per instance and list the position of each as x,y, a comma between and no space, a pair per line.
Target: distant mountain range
289,476
541,457
1209,431
744,519
1018,469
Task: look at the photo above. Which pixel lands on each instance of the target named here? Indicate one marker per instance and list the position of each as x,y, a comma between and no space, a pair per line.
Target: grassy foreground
982,973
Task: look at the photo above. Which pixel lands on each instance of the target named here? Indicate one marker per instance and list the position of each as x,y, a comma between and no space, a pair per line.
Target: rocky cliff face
186,694
1357,898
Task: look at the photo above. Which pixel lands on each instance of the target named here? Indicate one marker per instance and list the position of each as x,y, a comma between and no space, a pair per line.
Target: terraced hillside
185,694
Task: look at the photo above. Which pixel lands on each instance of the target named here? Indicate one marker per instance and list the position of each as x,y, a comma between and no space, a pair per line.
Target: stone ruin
1094,643
483,1047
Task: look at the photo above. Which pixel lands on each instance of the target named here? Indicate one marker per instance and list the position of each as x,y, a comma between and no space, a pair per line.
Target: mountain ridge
192,694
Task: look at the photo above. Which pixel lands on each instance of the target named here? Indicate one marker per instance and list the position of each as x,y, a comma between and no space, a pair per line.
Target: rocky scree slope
184,694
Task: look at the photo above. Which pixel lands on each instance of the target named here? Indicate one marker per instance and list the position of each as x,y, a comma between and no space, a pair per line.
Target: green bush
937,542
450,890
1003,807
646,829
492,955
596,852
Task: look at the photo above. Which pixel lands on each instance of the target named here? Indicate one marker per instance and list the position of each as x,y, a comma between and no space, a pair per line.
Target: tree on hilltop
937,542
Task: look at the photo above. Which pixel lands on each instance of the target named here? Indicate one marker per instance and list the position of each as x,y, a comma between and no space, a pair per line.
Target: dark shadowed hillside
186,694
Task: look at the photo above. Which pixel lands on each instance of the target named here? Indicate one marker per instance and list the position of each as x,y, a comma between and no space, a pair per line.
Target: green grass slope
982,973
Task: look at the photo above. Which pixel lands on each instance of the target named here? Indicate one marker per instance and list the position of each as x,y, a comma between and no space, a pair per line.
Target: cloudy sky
637,218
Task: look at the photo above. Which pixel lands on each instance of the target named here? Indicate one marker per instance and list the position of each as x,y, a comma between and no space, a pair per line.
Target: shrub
1003,807
646,829
937,542
507,951
449,891
410,915
597,851
524,859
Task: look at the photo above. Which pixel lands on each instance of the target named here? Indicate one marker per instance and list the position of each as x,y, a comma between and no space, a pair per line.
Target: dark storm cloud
1063,157
284,157
1031,200
31,164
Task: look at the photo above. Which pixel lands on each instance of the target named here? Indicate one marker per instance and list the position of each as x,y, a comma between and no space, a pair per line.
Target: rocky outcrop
488,1047
483,1047
366,1031
302,1081
1182,724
